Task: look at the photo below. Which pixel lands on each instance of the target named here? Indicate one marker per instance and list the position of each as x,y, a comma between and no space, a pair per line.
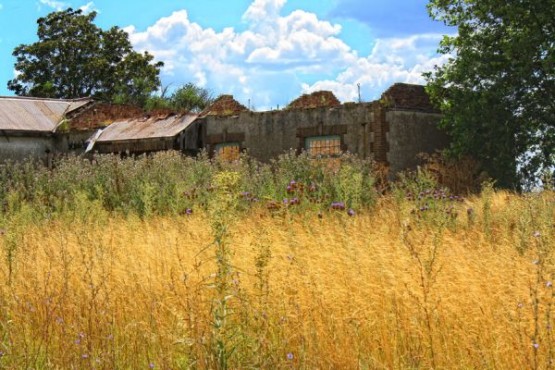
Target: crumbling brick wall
101,115
317,99
393,130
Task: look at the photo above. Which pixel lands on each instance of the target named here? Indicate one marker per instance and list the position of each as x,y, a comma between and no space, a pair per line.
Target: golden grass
337,293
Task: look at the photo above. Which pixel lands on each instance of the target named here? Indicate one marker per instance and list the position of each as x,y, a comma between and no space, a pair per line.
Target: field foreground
393,287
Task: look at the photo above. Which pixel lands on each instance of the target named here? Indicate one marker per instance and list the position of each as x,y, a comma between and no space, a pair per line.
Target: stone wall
392,130
411,133
21,147
268,134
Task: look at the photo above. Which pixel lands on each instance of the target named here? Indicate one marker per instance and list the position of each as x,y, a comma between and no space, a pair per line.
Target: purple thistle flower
188,211
151,365
351,212
549,284
290,356
536,345
338,205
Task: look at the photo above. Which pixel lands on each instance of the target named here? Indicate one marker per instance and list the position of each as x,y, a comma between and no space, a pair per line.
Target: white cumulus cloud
89,7
268,61
391,60
54,4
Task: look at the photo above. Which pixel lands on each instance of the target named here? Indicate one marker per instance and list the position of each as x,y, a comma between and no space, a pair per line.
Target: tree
187,98
497,91
74,58
190,97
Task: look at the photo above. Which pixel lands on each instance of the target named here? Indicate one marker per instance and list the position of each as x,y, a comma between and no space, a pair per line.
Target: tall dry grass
394,288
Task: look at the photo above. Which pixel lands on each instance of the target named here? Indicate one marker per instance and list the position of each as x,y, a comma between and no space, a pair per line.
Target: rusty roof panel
35,114
146,129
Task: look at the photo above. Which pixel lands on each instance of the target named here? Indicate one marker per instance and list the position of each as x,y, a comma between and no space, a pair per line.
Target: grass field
452,284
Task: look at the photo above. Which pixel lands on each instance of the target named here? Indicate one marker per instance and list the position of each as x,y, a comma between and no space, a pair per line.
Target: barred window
227,151
323,145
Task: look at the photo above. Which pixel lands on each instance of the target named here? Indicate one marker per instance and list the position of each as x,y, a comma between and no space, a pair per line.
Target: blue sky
265,51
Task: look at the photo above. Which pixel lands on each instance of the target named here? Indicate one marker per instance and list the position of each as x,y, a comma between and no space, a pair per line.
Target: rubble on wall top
102,114
317,99
408,96
225,105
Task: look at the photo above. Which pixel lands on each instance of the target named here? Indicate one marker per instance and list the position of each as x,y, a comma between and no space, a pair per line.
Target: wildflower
188,211
549,284
151,365
2,354
290,356
290,189
84,356
351,212
338,205
536,262
537,234
535,345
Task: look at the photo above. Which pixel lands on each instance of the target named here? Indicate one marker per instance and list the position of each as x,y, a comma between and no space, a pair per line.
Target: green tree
497,91
74,58
187,98
190,97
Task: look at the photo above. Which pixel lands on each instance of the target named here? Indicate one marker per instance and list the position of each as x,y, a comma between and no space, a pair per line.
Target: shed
148,134
28,126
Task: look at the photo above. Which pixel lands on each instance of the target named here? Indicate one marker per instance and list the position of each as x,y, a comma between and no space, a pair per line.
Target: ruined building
392,130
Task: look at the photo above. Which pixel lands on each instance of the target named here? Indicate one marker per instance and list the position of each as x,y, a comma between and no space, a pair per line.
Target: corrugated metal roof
146,129
35,114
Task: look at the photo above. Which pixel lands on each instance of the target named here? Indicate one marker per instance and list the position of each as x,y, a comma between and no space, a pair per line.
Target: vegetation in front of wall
171,184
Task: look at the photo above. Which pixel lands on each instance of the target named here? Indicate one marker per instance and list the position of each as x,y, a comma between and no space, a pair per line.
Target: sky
264,52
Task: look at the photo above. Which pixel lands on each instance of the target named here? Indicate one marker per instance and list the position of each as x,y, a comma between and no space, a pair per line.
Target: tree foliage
497,91
187,98
74,58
